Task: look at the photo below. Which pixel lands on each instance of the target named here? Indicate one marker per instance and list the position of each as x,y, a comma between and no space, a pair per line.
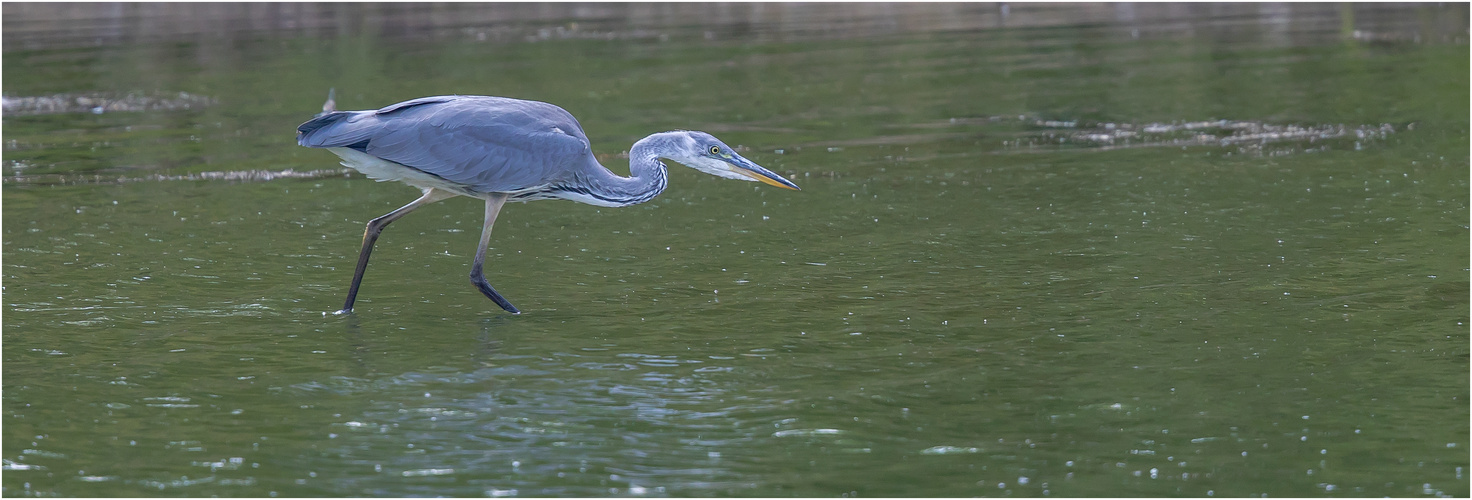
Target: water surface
1160,252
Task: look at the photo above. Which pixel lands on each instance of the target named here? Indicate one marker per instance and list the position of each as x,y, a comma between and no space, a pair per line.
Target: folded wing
489,144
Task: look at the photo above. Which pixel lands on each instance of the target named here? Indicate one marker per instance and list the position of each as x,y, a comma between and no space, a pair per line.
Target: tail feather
305,132
328,117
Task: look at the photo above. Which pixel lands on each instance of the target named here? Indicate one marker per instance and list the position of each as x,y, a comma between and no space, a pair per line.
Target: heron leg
376,226
494,201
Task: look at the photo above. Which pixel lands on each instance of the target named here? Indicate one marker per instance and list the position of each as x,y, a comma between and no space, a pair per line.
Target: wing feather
490,144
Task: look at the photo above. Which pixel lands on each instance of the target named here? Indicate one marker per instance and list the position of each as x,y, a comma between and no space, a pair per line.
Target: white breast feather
383,170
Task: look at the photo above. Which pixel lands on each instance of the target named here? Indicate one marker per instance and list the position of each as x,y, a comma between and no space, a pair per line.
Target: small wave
229,176
101,102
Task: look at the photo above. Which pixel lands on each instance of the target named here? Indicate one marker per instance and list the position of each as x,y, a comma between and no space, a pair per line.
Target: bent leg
370,235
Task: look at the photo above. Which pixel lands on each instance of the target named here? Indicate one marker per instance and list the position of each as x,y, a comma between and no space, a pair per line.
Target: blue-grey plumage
478,144
501,149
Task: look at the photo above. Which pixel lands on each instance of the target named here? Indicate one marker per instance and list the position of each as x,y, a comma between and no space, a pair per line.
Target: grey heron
500,149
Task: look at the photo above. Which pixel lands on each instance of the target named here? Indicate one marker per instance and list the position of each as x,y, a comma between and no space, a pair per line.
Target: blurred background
1041,250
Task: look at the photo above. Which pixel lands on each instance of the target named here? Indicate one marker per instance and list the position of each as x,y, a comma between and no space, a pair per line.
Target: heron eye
715,150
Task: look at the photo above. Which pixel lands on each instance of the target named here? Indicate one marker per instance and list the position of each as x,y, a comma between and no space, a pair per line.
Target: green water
960,302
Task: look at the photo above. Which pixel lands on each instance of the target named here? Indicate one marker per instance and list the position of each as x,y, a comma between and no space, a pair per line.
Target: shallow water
1203,255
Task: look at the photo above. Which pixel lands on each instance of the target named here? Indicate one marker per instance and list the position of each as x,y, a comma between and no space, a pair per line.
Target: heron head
704,152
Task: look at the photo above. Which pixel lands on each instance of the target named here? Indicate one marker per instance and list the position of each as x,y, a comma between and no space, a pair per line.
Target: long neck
647,178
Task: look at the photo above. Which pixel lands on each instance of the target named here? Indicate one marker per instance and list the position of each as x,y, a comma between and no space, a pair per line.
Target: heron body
500,149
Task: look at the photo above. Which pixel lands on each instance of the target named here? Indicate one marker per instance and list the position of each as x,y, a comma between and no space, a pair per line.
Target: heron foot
490,293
